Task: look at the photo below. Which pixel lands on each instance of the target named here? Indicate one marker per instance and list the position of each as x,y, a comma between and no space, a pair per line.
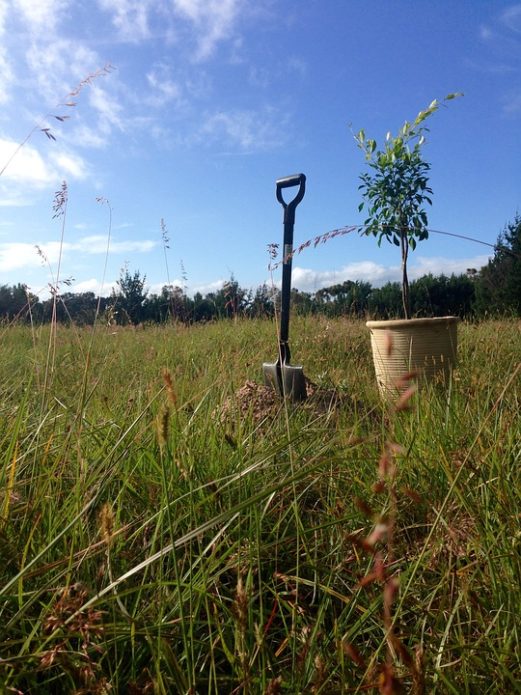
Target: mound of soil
259,402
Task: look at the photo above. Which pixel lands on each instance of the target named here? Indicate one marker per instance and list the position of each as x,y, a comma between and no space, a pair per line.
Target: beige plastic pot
427,347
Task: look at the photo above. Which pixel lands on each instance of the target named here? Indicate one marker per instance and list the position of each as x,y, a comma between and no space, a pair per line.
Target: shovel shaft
289,223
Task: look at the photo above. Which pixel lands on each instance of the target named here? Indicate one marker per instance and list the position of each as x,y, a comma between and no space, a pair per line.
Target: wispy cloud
108,108
6,71
502,33
203,24
502,37
129,17
98,244
512,104
57,64
247,129
511,18
163,88
6,75
213,21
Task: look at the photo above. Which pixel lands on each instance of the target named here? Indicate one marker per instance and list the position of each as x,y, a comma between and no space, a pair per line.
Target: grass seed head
169,385
162,423
106,521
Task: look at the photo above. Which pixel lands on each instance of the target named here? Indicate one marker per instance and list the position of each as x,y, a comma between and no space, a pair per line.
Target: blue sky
210,101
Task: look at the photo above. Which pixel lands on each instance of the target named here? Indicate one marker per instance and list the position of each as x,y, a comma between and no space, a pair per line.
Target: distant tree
171,305
80,307
385,302
231,301
302,303
129,298
204,308
347,298
262,304
498,285
15,301
236,299
442,296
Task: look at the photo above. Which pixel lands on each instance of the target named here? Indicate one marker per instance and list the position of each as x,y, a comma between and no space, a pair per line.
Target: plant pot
427,347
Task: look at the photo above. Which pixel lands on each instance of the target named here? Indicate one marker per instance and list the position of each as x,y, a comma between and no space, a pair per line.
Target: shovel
287,380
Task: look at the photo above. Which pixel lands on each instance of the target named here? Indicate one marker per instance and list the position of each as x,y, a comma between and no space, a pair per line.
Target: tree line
493,290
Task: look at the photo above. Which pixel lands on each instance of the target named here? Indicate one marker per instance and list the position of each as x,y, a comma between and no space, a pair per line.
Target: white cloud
12,199
94,285
26,166
208,287
3,15
41,16
368,271
309,280
69,165
156,287
439,265
14,256
30,168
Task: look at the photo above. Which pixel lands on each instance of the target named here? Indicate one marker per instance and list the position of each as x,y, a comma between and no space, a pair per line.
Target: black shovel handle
289,222
289,182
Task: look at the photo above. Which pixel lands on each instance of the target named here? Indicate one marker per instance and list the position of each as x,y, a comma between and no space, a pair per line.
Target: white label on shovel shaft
288,251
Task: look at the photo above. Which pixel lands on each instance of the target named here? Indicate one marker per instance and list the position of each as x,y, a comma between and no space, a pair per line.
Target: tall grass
157,535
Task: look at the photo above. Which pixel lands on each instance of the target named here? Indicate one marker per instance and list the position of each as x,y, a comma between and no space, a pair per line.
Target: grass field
165,528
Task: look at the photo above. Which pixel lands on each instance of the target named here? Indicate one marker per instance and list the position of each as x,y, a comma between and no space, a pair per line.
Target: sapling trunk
406,300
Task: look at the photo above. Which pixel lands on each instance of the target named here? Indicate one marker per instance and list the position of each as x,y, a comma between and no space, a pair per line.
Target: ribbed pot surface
425,346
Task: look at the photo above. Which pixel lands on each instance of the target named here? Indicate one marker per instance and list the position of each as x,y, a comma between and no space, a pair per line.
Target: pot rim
404,323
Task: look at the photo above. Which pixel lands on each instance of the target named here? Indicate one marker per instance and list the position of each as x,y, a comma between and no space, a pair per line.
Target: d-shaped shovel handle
289,208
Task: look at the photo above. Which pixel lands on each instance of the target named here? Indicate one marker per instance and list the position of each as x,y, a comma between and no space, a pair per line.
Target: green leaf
360,207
